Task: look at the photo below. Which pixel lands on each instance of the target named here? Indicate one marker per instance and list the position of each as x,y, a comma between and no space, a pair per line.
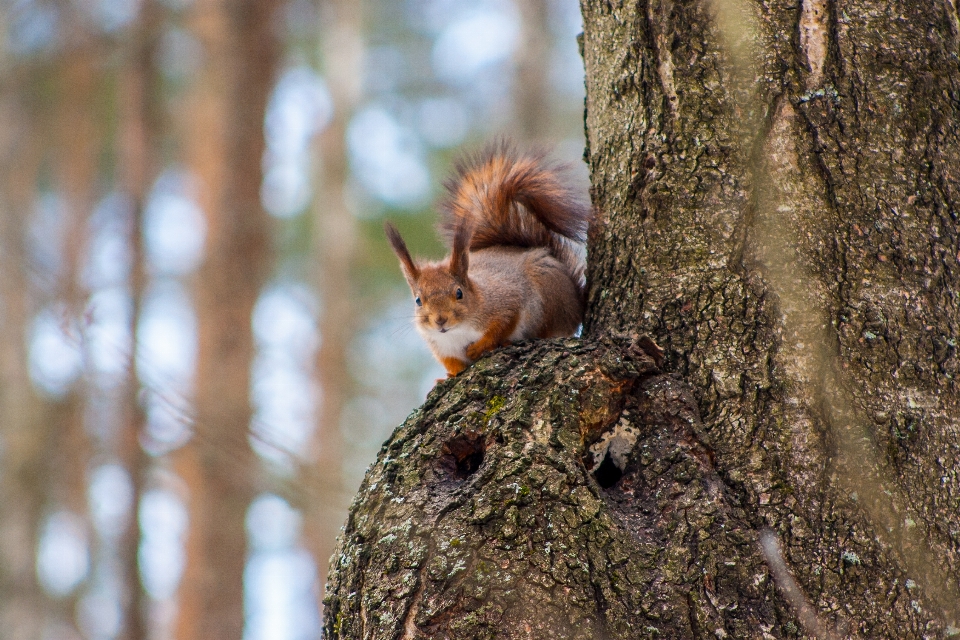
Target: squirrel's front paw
474,351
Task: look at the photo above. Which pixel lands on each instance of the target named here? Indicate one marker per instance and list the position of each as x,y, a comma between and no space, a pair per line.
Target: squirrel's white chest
452,343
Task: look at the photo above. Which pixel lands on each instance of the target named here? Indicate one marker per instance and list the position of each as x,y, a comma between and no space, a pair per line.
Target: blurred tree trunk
531,90
23,436
777,206
76,159
138,141
335,243
77,142
226,148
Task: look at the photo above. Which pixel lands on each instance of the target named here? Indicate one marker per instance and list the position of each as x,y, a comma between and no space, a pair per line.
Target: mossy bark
499,510
777,207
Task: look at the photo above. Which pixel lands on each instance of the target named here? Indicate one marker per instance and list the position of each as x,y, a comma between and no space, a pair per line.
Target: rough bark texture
776,207
498,509
793,246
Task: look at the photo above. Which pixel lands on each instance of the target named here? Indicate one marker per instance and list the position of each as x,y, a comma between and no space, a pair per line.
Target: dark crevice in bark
853,124
462,456
790,270
501,564
607,474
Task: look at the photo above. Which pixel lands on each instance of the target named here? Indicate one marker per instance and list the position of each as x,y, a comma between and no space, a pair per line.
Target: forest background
205,338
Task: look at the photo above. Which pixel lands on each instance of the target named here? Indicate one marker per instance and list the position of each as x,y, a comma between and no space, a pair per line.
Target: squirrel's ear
459,257
409,267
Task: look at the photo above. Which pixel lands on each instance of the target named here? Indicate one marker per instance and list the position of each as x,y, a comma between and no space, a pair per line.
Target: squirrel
515,270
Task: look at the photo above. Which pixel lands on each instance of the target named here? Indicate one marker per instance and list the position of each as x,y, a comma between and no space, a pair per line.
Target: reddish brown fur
453,366
509,198
496,335
513,272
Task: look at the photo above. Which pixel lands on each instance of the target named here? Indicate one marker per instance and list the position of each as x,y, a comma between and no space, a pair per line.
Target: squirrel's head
442,291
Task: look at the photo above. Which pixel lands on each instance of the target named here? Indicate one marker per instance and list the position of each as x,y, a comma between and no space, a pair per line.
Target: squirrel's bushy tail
515,199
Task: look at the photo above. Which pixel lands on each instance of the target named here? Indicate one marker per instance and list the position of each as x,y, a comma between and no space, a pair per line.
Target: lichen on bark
789,235
777,208
487,516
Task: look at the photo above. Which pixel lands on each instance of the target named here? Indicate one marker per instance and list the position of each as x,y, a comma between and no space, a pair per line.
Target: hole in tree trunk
608,473
460,457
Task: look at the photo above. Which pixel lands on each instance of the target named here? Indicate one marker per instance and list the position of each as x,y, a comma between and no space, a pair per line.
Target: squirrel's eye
459,294
417,300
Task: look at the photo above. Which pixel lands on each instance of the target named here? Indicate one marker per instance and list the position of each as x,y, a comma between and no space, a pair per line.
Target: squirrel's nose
441,321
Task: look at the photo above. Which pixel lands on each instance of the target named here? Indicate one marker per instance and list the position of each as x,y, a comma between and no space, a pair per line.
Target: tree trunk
335,245
24,436
533,112
776,206
240,38
138,140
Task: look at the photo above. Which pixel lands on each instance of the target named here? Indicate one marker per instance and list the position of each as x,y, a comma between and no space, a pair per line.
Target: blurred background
205,338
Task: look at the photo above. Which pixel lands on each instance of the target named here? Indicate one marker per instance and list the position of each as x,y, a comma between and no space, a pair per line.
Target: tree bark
776,207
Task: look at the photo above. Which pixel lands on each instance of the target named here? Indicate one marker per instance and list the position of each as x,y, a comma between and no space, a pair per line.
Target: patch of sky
388,159
108,257
169,421
111,15
167,336
391,349
33,26
431,16
179,55
99,612
107,339
443,121
286,189
272,524
163,527
299,108
484,35
174,227
397,371
110,495
284,394
46,234
385,70
566,65
285,400
285,319
63,555
279,598
54,352
490,100
566,21
166,356
566,71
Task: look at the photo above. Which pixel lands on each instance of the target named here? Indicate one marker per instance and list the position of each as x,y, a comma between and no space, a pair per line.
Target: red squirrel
514,271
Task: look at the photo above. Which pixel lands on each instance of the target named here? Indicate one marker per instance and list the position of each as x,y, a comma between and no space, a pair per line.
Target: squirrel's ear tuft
459,257
410,270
